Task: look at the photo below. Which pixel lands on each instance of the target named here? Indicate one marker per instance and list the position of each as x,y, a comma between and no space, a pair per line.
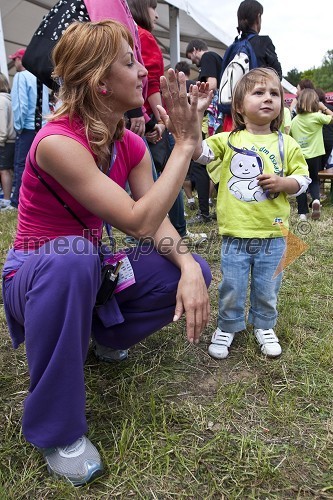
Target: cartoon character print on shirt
244,184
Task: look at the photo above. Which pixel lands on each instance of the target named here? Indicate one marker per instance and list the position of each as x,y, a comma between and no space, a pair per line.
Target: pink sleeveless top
41,217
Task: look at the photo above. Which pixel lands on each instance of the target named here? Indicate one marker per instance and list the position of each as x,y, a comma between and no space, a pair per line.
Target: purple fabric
50,303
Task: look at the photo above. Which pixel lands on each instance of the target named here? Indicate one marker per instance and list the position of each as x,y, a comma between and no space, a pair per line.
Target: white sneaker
220,343
194,238
315,215
8,208
78,463
303,218
268,341
4,203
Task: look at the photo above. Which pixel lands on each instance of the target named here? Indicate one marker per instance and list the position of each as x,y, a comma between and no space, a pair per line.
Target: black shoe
199,219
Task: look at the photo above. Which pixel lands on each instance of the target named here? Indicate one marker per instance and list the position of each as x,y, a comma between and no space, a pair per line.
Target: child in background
303,84
7,141
327,131
286,121
307,130
258,168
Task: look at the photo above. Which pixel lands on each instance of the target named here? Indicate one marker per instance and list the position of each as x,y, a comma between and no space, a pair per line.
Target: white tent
179,22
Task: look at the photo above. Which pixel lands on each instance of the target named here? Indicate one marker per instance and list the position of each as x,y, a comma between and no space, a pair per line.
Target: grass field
171,422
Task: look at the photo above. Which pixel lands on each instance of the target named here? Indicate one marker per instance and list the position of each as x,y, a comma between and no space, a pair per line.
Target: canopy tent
179,22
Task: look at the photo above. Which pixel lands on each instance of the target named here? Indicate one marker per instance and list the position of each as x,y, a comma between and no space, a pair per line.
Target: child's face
263,103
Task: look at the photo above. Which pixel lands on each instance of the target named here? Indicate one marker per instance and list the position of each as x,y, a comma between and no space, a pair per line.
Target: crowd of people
90,164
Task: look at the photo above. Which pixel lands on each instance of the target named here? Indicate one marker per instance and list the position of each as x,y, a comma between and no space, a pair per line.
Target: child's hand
204,96
276,184
271,182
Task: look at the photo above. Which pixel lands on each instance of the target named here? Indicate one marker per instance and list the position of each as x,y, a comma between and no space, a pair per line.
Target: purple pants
52,296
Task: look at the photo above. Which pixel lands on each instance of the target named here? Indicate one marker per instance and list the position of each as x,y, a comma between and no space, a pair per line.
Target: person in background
189,182
307,130
118,10
197,176
327,130
186,69
210,65
208,62
286,121
74,179
7,141
26,121
145,15
258,168
303,84
249,17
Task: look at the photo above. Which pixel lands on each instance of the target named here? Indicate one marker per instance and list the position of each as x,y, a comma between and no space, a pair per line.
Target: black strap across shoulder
56,195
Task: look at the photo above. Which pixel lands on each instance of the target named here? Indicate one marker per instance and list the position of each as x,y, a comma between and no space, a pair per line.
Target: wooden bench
327,175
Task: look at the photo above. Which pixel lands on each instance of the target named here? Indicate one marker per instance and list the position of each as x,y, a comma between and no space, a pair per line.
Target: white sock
190,200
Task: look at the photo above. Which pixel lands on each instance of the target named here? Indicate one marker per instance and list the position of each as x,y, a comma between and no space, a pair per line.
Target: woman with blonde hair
7,141
74,179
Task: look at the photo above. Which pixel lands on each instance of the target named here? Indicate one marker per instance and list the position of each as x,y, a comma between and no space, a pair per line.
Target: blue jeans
176,212
22,145
176,215
155,176
239,258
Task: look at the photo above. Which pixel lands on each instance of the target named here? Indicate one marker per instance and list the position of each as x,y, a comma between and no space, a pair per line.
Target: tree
294,76
324,76
321,77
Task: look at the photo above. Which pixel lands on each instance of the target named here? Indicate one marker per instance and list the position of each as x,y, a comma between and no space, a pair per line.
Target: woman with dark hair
249,15
249,21
145,15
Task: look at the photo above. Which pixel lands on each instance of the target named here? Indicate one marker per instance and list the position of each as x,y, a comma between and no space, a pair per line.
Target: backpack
37,57
237,61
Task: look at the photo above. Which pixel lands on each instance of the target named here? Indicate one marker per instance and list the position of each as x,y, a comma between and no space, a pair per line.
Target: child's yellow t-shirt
243,209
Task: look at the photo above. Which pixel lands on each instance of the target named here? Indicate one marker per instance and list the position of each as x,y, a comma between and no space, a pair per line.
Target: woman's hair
321,95
4,84
245,86
307,102
139,10
82,59
306,84
247,14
